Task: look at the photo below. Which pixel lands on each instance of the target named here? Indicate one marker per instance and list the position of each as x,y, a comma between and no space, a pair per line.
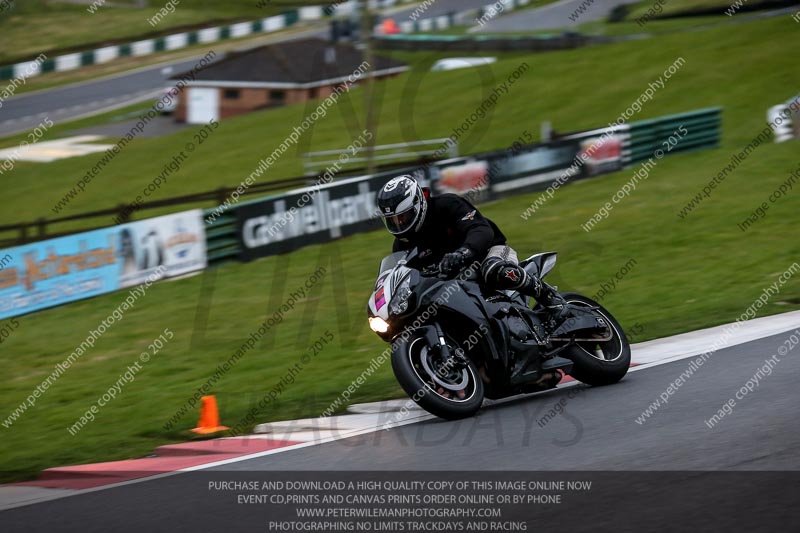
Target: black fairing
510,353
514,353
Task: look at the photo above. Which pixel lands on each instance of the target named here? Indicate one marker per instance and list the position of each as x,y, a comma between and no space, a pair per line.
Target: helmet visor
401,222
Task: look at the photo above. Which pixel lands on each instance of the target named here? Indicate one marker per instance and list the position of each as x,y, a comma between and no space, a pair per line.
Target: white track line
209,465
685,345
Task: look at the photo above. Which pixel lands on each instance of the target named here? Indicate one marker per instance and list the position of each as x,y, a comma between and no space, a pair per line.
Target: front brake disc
450,384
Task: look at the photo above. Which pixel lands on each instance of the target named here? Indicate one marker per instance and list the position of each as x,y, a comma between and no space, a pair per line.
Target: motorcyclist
449,230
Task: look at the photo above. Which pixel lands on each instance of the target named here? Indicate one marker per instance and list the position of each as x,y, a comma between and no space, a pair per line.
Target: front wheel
449,393
599,362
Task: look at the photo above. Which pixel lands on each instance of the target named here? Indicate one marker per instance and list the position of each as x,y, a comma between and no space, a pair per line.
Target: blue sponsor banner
57,271
54,272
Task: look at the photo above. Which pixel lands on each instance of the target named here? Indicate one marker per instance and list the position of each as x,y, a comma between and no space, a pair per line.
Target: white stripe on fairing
750,330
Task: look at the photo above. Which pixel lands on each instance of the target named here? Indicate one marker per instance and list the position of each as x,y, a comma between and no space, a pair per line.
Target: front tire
428,391
599,363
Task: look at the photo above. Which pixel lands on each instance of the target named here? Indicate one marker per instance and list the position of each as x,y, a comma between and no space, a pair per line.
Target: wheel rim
607,351
430,371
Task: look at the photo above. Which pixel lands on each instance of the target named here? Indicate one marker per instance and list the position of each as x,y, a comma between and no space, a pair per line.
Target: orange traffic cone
209,417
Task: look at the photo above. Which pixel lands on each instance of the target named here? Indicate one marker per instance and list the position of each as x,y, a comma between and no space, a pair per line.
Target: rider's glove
455,261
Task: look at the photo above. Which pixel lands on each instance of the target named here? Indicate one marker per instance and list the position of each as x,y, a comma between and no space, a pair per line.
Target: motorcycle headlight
378,325
399,303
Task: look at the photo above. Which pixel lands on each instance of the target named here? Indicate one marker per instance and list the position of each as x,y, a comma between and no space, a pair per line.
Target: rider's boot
548,297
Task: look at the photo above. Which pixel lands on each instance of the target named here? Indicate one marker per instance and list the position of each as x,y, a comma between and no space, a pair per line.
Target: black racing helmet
402,205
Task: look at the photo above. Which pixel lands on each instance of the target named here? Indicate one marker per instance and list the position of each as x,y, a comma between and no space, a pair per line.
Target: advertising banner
53,272
531,168
464,178
313,215
602,154
176,242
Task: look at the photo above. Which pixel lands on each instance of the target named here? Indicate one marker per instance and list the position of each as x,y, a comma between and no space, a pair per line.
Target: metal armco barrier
221,241
703,132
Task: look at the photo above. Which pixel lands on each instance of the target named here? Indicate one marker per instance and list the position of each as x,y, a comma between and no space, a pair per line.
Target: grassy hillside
689,273
681,7
34,26
573,89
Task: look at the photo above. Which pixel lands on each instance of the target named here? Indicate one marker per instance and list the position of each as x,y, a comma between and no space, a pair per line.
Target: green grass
35,26
680,7
653,26
412,102
63,129
690,273
121,65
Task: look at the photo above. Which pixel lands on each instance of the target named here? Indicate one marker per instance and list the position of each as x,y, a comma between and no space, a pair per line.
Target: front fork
434,335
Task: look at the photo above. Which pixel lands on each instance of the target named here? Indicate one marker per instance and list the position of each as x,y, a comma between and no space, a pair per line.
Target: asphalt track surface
552,16
24,112
671,473
438,8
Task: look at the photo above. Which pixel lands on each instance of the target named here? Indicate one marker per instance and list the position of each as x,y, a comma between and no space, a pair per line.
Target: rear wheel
599,362
447,391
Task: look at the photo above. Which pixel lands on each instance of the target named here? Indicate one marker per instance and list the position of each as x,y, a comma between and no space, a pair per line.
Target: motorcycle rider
449,230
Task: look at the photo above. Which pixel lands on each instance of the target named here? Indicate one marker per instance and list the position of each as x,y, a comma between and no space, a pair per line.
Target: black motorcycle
455,342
